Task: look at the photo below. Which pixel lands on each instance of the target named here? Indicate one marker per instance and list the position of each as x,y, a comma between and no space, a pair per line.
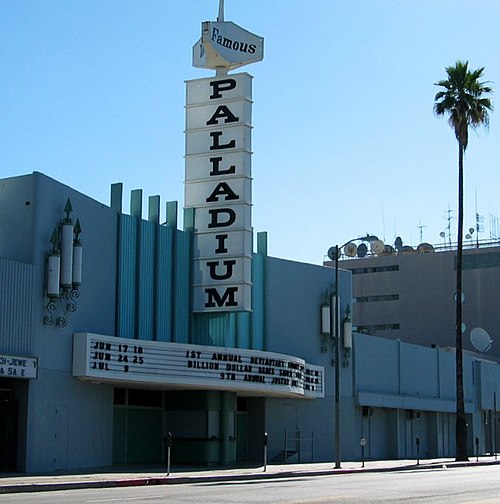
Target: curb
183,480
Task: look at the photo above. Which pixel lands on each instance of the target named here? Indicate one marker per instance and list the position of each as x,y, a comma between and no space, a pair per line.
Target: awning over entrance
127,362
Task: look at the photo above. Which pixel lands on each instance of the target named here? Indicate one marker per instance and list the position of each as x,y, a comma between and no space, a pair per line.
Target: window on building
376,299
375,269
372,329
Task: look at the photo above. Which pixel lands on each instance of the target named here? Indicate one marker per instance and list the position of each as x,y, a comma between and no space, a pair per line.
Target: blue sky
345,140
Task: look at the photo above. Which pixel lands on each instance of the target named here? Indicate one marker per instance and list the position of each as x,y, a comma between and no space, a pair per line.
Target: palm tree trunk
461,425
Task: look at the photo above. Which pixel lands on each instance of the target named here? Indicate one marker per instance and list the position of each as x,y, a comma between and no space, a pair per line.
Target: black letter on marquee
222,189
231,217
221,112
221,85
227,299
221,246
212,265
216,170
215,142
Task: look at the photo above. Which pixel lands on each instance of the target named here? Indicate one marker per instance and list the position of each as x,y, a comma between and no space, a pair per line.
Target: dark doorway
8,431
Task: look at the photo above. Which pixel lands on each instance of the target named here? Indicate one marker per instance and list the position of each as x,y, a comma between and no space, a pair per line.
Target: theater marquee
131,362
218,185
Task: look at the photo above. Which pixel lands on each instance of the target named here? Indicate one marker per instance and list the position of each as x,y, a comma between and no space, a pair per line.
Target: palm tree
465,102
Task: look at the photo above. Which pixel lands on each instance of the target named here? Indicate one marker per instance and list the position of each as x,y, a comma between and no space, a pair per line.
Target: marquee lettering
216,221
217,170
222,189
219,146
222,112
219,86
221,243
215,299
216,145
212,266
232,44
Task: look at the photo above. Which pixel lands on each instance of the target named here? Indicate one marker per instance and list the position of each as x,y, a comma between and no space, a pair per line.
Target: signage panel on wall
237,164
236,242
225,44
218,187
124,361
13,366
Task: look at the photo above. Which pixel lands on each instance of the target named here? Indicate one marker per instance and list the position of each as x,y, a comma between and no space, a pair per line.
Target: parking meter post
265,451
168,441
417,442
363,444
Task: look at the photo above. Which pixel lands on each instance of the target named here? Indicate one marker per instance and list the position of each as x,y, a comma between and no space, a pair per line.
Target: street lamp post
333,254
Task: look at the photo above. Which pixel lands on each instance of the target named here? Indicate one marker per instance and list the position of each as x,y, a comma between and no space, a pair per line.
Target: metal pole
338,457
495,424
168,442
363,444
265,451
286,446
168,461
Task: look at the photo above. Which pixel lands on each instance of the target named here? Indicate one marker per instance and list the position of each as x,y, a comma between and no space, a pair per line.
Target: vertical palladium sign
218,185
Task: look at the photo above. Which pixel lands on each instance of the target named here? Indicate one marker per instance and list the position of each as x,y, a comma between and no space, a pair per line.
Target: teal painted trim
212,329
262,243
145,280
117,196
127,253
231,335
230,330
164,284
136,203
243,330
16,307
172,213
189,220
258,302
154,209
182,286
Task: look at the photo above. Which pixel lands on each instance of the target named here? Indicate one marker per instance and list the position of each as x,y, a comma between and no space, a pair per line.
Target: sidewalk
127,476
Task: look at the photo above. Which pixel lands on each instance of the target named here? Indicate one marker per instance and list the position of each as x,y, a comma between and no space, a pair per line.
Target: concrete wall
294,293
425,284
69,424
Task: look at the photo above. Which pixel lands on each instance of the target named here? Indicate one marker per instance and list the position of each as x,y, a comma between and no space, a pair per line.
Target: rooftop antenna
421,227
383,219
494,227
220,17
479,224
448,227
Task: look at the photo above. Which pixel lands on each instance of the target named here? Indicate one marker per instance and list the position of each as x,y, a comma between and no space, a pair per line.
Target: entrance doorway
9,413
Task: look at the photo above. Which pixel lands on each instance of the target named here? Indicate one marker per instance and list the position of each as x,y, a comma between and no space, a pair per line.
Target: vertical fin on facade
154,209
164,300
182,286
117,196
262,243
136,203
126,276
258,293
172,211
189,219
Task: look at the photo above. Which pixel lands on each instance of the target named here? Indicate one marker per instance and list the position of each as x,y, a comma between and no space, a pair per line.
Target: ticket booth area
207,427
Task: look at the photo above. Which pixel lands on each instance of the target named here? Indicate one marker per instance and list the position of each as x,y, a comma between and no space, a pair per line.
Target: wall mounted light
64,270
347,331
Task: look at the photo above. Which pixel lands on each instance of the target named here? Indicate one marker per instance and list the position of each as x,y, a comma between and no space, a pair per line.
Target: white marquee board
123,361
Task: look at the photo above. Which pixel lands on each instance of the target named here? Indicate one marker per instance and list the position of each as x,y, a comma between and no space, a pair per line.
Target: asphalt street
458,485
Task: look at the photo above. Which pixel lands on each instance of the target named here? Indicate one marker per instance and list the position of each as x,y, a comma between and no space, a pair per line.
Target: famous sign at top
224,44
